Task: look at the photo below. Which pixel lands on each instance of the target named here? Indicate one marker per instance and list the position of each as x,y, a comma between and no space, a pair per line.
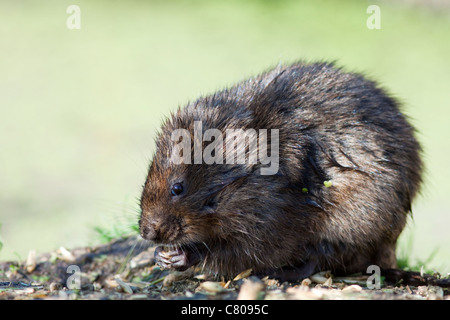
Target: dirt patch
125,269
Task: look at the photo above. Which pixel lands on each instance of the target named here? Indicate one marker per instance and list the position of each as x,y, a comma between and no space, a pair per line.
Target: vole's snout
149,228
160,229
149,233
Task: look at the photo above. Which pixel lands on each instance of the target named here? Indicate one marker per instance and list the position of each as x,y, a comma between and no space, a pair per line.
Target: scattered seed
227,284
243,274
319,277
352,288
306,282
251,289
304,293
125,286
212,286
202,276
30,264
66,255
111,283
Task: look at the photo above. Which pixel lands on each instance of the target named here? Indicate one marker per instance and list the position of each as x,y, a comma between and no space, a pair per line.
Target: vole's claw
175,259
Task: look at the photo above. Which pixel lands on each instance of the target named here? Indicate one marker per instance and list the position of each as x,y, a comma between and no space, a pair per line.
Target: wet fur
334,126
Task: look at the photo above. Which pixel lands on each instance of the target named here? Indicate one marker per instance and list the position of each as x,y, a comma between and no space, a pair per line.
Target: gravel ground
125,270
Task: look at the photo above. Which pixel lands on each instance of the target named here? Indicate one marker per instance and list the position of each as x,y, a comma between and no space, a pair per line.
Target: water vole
347,168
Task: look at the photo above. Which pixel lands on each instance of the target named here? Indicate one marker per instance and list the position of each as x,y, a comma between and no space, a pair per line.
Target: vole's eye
177,188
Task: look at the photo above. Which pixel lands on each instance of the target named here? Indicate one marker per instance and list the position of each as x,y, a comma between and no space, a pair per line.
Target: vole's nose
149,233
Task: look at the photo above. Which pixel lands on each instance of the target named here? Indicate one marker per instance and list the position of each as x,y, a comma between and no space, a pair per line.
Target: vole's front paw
172,258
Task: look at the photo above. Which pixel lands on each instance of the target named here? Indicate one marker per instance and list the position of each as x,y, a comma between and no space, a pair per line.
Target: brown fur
333,126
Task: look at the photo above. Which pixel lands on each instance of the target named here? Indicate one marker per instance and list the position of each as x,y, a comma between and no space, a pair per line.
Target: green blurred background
80,108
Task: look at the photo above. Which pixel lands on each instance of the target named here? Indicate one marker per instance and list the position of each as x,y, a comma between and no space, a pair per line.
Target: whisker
209,250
